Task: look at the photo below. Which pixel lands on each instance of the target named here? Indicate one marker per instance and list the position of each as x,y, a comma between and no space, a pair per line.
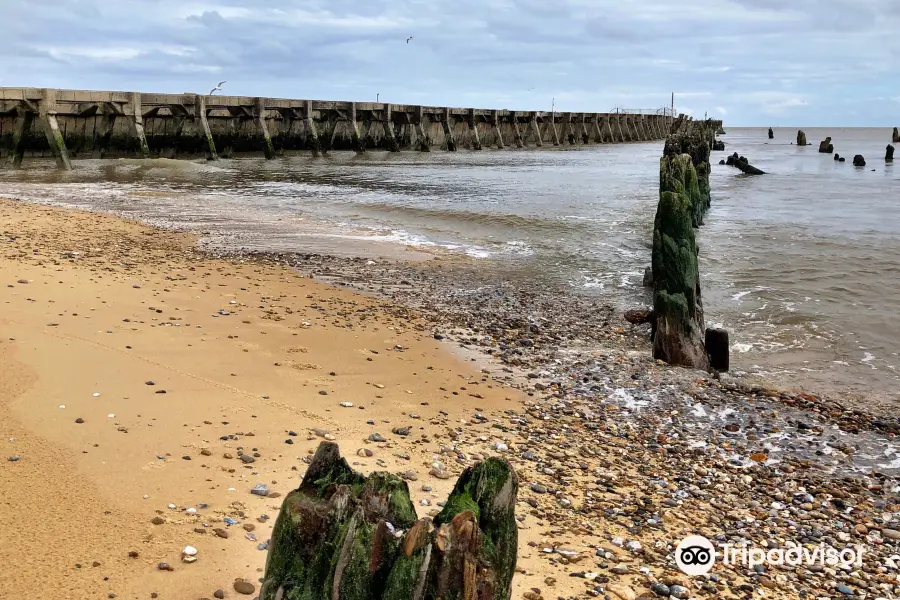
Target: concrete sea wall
71,124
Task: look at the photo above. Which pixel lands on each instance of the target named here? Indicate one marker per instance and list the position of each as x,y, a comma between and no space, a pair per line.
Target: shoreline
572,398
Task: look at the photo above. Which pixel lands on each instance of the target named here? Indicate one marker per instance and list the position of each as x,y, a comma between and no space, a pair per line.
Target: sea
801,264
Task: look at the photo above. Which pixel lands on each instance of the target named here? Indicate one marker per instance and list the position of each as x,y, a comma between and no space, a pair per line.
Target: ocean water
802,264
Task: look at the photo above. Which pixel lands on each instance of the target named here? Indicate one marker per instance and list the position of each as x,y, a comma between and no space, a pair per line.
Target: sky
748,62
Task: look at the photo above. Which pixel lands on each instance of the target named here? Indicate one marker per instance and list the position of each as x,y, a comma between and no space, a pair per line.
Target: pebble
244,587
680,592
246,458
219,594
260,489
14,458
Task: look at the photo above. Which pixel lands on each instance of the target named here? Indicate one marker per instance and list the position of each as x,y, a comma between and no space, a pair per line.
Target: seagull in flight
409,38
217,88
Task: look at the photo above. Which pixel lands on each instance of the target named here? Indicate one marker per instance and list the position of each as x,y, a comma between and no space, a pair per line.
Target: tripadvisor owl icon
695,555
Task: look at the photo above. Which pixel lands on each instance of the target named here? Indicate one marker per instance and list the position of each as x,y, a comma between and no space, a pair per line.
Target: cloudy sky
750,62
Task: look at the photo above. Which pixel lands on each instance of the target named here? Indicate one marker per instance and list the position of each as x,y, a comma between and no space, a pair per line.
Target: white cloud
768,62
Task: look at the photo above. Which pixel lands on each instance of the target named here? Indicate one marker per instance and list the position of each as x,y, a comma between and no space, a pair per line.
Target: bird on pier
217,88
409,38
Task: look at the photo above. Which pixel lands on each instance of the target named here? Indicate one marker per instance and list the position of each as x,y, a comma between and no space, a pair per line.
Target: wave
490,219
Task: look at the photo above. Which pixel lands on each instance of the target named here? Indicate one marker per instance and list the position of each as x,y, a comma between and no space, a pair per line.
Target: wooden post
422,141
200,113
393,146
517,133
628,130
47,119
312,134
555,137
566,135
259,113
24,118
616,125
716,344
536,130
358,144
598,132
107,123
585,138
495,125
343,536
136,124
473,129
333,121
448,131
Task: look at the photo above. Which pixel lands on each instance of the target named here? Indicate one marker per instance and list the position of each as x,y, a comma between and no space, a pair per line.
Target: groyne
71,124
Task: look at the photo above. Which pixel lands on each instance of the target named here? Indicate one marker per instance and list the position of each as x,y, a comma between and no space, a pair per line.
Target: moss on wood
342,536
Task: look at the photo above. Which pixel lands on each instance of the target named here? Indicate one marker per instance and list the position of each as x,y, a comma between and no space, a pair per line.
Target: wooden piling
422,142
259,114
388,123
359,145
536,130
136,124
520,143
598,132
473,129
200,114
553,131
47,119
312,135
106,126
446,124
24,118
716,344
495,126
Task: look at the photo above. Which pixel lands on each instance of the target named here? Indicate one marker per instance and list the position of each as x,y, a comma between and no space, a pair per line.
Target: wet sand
619,457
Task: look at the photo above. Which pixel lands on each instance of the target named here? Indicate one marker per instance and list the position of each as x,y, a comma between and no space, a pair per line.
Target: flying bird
217,88
409,38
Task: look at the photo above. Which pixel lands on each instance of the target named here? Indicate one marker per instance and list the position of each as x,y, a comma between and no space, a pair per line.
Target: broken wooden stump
716,344
677,335
343,536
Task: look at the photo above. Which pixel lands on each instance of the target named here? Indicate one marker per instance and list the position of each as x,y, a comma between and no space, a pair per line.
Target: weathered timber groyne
73,124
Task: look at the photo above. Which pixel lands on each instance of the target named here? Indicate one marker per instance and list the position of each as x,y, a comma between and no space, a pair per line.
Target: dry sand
94,308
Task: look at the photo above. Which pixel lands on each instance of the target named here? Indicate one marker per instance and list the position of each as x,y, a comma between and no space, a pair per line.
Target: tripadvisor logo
695,555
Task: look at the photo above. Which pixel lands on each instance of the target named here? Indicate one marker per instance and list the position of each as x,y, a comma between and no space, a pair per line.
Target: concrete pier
69,124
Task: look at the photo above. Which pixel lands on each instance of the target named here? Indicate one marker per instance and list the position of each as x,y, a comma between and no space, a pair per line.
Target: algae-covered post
696,144
771,134
678,328
889,153
895,137
343,536
801,138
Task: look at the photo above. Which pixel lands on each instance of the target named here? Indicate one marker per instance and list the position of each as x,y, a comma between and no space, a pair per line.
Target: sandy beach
137,370
127,357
